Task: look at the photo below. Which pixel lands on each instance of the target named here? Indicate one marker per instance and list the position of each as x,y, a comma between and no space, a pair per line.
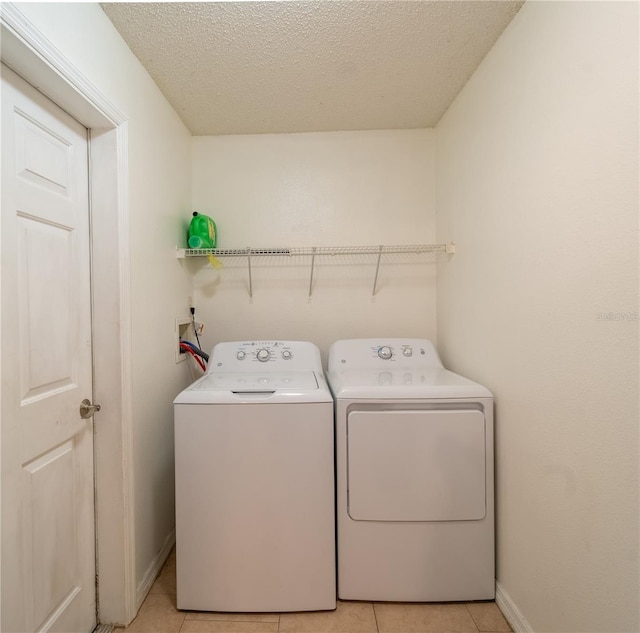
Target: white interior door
48,535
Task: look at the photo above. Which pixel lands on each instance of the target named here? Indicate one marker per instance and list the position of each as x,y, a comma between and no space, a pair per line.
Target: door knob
87,409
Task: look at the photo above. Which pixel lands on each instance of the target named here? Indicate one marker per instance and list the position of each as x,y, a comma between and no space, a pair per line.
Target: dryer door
416,465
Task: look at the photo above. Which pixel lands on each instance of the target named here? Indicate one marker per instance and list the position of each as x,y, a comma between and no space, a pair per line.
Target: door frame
26,51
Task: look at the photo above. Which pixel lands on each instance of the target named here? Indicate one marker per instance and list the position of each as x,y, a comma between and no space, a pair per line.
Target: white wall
537,182
159,168
322,189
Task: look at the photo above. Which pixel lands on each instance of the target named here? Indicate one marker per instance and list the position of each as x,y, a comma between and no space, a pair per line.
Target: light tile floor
159,614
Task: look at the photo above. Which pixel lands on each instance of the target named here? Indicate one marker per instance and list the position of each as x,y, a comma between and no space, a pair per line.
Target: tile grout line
375,617
466,606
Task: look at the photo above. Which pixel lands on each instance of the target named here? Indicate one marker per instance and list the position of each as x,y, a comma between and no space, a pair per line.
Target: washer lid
404,383
256,381
235,387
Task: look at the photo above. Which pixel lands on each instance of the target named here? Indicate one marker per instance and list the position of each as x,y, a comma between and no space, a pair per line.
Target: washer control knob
385,352
263,355
407,351
241,354
286,354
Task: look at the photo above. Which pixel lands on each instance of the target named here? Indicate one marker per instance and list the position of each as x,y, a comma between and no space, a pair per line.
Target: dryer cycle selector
385,352
263,355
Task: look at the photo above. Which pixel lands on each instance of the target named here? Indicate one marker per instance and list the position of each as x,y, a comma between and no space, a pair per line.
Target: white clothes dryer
254,449
415,482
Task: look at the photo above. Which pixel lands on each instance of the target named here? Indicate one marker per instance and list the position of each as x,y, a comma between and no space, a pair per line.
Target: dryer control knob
385,352
263,355
407,351
241,355
286,354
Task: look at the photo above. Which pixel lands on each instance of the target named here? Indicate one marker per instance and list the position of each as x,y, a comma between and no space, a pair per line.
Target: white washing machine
414,464
255,521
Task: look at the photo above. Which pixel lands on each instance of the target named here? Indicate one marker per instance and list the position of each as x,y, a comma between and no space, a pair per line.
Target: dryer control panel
377,353
265,356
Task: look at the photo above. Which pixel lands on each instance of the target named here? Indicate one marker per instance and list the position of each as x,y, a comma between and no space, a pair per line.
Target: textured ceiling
315,65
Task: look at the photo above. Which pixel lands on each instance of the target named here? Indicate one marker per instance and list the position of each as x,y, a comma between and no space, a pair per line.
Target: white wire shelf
317,251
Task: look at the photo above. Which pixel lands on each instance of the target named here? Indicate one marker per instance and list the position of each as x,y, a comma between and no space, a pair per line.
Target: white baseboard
511,612
154,568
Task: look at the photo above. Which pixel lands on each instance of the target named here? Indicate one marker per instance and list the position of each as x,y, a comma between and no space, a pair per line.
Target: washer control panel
266,355
374,354
391,352
399,351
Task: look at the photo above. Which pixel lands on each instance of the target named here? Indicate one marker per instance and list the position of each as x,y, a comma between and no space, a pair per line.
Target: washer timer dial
385,352
263,355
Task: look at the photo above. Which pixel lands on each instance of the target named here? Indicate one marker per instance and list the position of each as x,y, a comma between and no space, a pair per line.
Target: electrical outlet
183,331
199,328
